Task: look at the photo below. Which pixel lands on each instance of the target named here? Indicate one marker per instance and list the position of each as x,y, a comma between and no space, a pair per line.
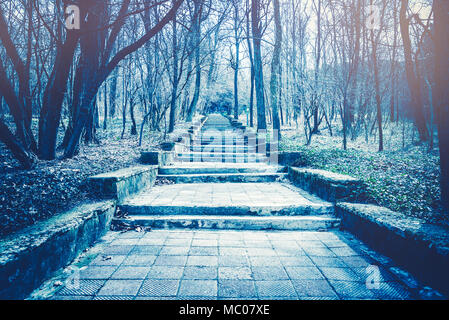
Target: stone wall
421,248
31,256
327,185
122,183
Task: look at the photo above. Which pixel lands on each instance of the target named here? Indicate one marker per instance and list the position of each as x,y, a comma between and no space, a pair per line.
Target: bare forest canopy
349,67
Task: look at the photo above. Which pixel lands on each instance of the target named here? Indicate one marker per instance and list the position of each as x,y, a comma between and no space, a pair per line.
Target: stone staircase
235,188
219,140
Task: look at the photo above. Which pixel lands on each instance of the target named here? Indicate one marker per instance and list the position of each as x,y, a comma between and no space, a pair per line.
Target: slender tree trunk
275,70
197,41
251,60
105,101
413,81
441,36
258,67
377,89
171,125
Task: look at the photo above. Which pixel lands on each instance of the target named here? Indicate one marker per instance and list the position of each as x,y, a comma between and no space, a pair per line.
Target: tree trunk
275,70
412,80
258,67
174,93
441,36
26,158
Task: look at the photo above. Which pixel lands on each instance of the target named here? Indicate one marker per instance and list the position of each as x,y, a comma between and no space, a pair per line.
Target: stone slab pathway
225,194
195,264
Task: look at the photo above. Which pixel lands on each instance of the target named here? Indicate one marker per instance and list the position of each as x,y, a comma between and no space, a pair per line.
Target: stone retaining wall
327,185
421,248
31,256
122,183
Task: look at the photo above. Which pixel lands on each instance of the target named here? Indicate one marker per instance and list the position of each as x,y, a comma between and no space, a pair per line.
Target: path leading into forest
234,228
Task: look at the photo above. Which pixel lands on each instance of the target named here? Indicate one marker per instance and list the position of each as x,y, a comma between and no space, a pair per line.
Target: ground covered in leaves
405,179
56,186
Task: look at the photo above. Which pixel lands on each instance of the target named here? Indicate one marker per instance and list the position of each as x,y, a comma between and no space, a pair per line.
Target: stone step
224,168
227,177
195,208
222,160
306,223
220,155
223,148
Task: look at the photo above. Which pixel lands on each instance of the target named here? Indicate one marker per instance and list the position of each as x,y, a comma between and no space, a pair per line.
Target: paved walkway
197,263
222,194
183,264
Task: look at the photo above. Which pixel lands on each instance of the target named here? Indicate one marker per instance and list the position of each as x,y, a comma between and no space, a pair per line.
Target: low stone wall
122,183
159,158
31,256
327,185
421,248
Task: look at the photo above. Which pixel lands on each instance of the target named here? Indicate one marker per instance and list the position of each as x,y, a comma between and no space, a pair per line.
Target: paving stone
206,235
198,288
82,288
204,243
178,242
242,289
235,273
328,262
319,252
131,235
165,272
120,249
97,272
159,288
113,298
299,261
170,261
231,243
391,291
357,262
175,251
139,260
151,242
306,273
269,273
352,289
345,274
131,272
233,261
258,244
344,252
314,288
278,244
200,272
203,251
120,288
71,298
261,252
147,250
207,261
264,261
289,252
230,251
108,260
276,288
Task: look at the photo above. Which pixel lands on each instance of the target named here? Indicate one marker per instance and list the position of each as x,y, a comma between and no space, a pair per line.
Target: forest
357,86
